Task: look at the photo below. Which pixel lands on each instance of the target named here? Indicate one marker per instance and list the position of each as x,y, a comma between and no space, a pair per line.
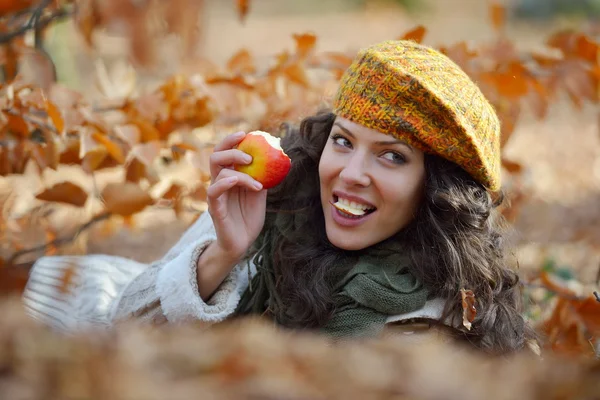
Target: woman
386,214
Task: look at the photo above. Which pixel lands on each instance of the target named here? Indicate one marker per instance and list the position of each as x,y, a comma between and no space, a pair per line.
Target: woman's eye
394,157
341,141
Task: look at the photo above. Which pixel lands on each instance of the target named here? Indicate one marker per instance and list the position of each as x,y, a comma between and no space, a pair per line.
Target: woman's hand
236,202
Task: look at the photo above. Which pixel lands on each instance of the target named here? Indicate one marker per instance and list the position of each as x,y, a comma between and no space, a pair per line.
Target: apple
270,164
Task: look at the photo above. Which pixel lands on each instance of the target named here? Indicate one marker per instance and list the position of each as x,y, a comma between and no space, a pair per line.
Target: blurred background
557,223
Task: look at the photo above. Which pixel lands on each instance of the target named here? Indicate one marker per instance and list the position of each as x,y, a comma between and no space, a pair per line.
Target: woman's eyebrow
379,143
395,141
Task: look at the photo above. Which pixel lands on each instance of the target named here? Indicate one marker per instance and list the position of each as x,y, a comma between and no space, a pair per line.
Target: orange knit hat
419,95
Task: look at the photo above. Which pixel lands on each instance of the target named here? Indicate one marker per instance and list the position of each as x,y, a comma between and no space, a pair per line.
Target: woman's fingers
230,141
225,158
227,179
244,180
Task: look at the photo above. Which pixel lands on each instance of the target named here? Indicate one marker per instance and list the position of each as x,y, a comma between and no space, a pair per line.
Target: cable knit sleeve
105,289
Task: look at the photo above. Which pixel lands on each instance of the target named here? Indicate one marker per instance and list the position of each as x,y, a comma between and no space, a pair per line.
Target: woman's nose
355,172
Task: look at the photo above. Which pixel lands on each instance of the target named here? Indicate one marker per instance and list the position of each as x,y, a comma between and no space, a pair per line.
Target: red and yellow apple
270,164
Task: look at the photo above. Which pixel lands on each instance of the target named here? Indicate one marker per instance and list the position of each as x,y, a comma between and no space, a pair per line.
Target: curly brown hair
455,242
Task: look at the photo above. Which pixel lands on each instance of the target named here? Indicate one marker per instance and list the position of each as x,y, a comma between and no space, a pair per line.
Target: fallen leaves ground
249,359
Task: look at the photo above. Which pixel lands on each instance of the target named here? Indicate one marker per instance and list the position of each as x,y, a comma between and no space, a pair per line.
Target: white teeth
353,204
351,207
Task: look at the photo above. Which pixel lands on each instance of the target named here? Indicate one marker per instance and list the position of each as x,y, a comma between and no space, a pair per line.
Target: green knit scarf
378,286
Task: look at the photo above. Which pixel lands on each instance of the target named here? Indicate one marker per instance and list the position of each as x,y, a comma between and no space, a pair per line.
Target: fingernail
238,134
257,185
248,158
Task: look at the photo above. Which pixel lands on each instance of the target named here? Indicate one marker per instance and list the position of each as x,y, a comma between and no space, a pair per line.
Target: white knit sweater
106,289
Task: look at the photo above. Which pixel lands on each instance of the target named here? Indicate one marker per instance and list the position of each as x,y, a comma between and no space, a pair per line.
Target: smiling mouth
351,209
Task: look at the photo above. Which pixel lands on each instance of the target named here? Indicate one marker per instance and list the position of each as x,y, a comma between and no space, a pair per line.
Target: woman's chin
345,241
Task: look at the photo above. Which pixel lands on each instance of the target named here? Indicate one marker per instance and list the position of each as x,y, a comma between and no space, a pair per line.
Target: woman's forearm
213,266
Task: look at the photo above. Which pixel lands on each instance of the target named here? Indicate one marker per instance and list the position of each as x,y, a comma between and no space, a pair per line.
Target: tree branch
35,22
60,241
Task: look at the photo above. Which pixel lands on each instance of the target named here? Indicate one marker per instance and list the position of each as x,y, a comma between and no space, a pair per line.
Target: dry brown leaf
125,199
498,16
16,124
112,147
468,306
93,160
511,166
243,6
146,152
417,34
55,116
199,193
135,171
10,60
305,44
66,280
130,134
148,131
297,74
241,62
64,192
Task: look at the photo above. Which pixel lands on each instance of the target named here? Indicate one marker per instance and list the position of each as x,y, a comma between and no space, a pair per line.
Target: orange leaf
146,152
417,34
148,131
297,74
10,61
64,192
241,63
305,43
113,149
135,171
17,125
66,280
511,166
128,133
125,199
199,193
11,6
243,7
498,16
468,306
56,116
93,160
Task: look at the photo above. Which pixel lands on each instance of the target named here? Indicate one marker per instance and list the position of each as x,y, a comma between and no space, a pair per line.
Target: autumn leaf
305,44
417,34
112,148
125,199
498,16
174,194
243,7
241,63
511,166
146,152
11,6
10,60
55,116
199,193
468,306
66,280
135,171
147,130
64,192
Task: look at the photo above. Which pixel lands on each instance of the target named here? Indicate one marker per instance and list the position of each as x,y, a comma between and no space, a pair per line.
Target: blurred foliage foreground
249,359
46,127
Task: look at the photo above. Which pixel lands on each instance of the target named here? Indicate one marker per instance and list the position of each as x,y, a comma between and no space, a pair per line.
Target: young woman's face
371,185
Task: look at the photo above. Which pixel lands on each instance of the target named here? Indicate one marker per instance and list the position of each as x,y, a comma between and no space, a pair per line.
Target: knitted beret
420,96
